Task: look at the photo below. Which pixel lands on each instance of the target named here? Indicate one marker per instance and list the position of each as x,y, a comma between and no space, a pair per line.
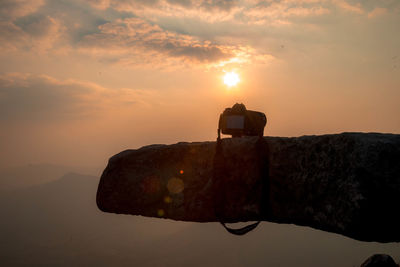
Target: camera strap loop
241,231
219,172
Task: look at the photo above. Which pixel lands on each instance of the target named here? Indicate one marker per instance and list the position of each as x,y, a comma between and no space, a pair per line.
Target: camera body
238,121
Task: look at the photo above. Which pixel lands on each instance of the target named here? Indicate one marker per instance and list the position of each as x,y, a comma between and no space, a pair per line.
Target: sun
231,79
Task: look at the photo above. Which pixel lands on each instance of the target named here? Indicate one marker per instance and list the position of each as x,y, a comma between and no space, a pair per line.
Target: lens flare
160,213
231,79
168,199
175,185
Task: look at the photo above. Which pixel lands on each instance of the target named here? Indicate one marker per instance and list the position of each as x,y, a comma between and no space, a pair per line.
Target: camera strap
241,231
219,171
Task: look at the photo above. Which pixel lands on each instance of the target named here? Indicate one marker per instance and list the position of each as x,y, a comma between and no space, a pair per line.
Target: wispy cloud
172,33
27,97
12,37
10,9
217,10
135,39
353,8
32,33
207,5
280,12
376,12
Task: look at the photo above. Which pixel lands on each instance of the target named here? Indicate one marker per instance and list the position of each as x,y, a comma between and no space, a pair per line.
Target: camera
238,121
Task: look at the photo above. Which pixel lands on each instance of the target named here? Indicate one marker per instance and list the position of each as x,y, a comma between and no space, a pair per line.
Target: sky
81,80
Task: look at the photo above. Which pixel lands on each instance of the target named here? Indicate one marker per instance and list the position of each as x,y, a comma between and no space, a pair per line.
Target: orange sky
81,80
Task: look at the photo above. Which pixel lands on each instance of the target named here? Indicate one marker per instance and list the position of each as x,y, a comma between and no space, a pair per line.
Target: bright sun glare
231,79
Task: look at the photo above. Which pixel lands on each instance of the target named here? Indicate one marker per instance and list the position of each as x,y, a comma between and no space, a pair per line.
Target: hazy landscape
82,80
55,221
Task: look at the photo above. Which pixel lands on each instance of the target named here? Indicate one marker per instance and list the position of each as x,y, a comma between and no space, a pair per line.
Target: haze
81,80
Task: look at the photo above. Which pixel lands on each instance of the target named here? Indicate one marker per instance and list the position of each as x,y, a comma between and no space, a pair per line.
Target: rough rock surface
344,183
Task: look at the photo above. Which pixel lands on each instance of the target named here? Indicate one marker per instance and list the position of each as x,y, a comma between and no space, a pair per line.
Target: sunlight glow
231,79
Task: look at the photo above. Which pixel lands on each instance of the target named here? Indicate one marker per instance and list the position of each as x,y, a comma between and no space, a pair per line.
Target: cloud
11,9
27,97
216,10
100,4
137,40
44,32
22,29
280,12
224,5
12,37
170,33
376,12
32,33
184,3
218,4
210,10
353,8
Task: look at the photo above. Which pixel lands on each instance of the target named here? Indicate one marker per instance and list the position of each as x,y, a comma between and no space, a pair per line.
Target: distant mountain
58,224
28,175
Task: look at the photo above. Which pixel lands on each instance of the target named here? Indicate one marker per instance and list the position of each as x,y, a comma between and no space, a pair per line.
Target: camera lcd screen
235,122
